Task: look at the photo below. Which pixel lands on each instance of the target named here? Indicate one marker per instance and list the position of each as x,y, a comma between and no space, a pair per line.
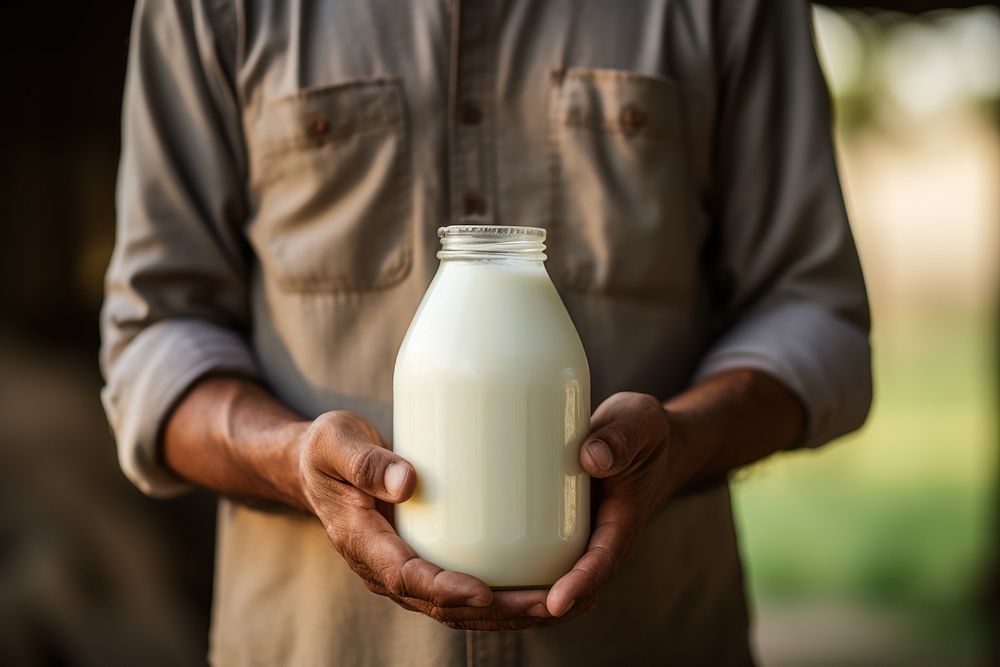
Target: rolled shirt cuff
150,377
822,358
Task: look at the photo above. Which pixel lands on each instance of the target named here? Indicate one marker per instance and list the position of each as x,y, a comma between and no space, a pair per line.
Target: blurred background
880,549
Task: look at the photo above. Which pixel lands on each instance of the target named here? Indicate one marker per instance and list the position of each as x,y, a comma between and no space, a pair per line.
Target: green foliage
900,515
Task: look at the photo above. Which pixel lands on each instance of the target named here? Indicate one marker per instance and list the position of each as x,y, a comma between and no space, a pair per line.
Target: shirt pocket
331,187
618,183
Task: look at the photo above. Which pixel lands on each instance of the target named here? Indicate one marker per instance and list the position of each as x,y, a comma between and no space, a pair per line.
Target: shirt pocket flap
617,101
318,116
620,169
330,187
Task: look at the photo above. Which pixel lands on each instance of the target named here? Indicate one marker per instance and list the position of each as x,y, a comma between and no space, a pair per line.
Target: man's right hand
231,435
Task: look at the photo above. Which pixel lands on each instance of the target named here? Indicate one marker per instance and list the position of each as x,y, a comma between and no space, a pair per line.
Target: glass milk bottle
491,403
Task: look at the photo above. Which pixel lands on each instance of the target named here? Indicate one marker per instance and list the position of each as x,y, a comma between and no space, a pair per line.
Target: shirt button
469,114
633,119
474,204
318,128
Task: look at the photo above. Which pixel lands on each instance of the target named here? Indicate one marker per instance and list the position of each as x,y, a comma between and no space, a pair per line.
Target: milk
491,403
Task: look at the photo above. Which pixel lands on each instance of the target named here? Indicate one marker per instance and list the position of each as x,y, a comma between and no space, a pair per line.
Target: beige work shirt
285,166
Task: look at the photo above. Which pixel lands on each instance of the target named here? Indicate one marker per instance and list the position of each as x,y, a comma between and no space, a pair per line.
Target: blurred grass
899,515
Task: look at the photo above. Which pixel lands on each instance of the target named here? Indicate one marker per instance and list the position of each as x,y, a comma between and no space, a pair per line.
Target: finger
506,605
627,427
443,588
607,547
581,606
504,625
388,562
345,447
508,614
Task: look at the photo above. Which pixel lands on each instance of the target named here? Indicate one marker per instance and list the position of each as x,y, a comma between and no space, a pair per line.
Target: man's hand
628,452
345,470
642,452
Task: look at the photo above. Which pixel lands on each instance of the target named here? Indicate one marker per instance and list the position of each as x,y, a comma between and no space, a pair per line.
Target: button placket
471,121
474,205
469,113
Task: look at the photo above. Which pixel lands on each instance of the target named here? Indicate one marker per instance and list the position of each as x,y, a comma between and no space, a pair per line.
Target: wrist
296,434
265,440
682,463
729,420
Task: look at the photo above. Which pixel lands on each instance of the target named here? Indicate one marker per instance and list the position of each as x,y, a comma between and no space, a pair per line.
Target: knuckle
648,403
407,572
393,581
324,426
321,433
612,561
336,419
364,468
619,443
656,415
437,594
614,564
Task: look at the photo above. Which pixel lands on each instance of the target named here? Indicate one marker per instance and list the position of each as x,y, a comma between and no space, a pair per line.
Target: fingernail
478,601
539,611
601,454
395,475
568,607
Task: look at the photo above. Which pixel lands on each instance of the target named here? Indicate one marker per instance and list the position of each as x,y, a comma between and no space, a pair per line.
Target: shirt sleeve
176,300
787,280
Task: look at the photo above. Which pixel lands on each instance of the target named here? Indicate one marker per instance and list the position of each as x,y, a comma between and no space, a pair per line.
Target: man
284,169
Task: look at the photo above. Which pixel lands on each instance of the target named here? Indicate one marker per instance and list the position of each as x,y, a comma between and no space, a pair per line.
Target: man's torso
367,125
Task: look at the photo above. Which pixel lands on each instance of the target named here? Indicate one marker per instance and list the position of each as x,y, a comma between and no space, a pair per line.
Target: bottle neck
490,242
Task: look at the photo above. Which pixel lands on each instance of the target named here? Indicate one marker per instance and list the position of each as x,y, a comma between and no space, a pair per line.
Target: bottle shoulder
493,315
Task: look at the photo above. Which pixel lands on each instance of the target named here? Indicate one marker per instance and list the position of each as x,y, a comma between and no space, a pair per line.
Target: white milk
491,402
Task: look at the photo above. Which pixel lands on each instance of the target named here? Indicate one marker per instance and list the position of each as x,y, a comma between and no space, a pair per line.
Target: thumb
353,453
609,450
633,425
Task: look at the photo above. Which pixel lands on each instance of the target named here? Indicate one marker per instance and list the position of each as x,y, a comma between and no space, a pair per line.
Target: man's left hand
627,451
